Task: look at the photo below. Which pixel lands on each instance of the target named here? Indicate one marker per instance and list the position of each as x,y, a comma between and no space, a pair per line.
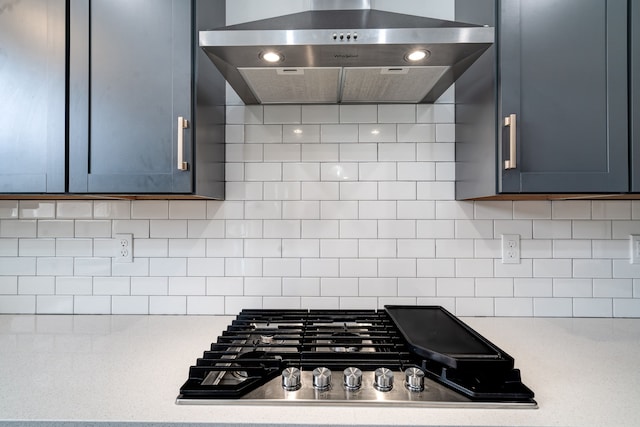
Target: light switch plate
511,249
634,249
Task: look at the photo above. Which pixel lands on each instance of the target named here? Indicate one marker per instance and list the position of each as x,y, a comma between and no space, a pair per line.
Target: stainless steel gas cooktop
409,355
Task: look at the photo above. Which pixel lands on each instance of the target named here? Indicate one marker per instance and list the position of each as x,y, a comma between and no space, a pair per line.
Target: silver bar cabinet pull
182,125
511,122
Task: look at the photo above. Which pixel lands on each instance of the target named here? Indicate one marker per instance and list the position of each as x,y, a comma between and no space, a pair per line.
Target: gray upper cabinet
32,96
546,109
634,101
132,99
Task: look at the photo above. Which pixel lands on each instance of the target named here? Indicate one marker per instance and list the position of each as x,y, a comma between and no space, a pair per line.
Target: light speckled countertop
128,369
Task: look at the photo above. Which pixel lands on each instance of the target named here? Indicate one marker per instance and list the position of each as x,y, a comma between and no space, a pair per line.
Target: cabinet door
130,80
563,72
32,96
634,101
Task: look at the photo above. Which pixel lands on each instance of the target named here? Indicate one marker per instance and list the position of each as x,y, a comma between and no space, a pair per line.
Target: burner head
247,367
345,342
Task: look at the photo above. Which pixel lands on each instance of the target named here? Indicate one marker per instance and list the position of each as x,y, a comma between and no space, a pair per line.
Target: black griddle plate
435,334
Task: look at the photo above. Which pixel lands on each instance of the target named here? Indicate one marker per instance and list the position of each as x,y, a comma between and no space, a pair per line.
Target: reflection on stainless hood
344,52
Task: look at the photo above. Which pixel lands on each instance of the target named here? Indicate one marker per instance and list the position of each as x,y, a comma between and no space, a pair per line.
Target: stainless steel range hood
344,52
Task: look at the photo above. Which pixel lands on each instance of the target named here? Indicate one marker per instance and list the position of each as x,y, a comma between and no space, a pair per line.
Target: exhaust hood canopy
344,52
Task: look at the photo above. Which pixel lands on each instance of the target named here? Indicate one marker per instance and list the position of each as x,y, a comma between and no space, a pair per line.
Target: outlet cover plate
511,249
634,249
123,247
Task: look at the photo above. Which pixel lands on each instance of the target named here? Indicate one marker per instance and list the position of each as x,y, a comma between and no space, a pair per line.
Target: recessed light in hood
350,55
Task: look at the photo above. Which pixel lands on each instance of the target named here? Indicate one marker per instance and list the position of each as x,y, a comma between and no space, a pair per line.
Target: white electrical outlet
123,247
634,249
511,249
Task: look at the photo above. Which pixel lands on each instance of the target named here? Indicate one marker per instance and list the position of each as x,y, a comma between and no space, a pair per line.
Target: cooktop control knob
383,379
291,379
414,379
352,378
321,378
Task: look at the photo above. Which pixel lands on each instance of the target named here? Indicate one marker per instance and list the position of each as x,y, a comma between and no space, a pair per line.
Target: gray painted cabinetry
634,101
32,96
558,72
132,103
102,114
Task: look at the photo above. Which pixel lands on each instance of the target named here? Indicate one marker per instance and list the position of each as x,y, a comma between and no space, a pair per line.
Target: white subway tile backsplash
320,152
205,305
207,266
397,152
36,247
74,286
48,304
553,307
174,229
85,304
263,210
320,114
281,267
594,268
168,267
358,229
416,133
573,288
282,114
338,209
436,267
112,285
377,133
300,287
338,133
592,307
225,285
18,228
446,132
416,287
250,114
474,307
286,229
262,286
378,287
8,209
244,153
249,267
168,305
282,153
326,206
130,305
339,172
611,209
36,285
612,288
301,172
358,190
396,113
416,171
397,267
301,134
416,248
187,209
34,209
358,152
358,113
455,287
